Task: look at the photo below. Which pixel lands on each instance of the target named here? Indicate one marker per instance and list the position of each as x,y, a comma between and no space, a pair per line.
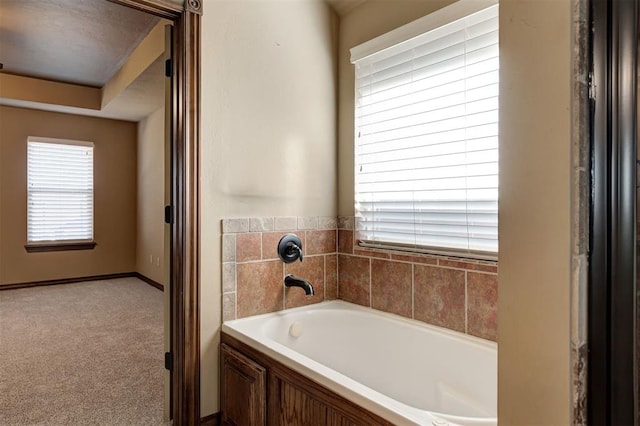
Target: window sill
431,259
463,255
59,246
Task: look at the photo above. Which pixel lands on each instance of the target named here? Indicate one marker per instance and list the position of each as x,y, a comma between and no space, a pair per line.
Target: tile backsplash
459,294
252,273
455,293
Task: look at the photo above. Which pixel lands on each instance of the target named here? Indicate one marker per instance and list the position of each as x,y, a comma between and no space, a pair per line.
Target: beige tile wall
449,292
252,273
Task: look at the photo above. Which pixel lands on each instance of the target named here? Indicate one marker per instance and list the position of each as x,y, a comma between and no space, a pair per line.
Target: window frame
406,33
65,244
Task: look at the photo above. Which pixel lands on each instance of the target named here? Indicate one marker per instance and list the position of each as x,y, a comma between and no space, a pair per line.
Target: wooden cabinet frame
241,372
292,398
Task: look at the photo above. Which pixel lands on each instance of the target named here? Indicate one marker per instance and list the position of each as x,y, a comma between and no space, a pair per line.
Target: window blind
59,190
426,150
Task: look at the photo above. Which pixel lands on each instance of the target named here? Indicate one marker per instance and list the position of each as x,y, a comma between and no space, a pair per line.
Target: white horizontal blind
59,190
427,139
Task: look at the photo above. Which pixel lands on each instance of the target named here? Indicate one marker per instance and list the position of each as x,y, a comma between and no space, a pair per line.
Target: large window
426,134
59,191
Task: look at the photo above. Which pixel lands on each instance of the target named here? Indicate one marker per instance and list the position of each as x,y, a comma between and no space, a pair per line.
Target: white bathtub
404,371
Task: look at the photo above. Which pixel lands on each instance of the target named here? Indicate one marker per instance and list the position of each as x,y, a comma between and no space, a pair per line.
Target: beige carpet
82,354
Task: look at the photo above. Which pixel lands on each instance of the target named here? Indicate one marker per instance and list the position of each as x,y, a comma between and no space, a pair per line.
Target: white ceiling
74,41
81,42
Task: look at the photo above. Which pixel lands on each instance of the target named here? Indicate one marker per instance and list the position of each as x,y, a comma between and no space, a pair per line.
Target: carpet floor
88,353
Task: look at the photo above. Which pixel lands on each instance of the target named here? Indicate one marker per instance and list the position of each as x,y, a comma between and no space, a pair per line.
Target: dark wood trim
611,391
597,323
65,281
185,198
210,420
148,280
186,231
39,248
164,9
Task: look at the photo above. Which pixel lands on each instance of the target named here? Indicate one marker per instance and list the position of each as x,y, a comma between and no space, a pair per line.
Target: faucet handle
294,248
290,248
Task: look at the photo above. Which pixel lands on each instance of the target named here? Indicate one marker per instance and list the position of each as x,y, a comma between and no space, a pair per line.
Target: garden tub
402,370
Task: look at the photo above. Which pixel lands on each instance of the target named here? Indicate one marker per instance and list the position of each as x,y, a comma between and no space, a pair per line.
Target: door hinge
168,215
592,87
168,361
168,68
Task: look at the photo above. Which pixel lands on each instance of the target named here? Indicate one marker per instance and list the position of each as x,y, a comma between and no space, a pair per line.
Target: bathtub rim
344,305
370,399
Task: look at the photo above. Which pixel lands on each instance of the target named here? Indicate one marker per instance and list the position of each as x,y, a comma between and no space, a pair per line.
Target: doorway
183,357
183,213
183,208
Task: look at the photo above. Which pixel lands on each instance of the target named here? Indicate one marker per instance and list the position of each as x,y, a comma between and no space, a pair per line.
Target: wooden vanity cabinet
258,390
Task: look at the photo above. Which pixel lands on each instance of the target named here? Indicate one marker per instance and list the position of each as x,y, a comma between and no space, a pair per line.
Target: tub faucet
293,281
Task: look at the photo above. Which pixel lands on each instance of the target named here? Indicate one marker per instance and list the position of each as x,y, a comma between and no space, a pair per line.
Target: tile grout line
235,289
272,259
235,277
453,268
337,277
324,269
370,280
235,261
413,291
466,303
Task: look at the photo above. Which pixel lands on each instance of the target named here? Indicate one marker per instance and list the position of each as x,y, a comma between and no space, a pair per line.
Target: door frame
611,373
185,200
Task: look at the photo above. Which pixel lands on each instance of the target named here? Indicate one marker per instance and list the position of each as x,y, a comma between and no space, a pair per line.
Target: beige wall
150,202
114,196
534,277
268,132
535,214
20,88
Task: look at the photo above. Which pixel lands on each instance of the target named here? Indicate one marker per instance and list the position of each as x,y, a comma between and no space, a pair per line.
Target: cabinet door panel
271,393
243,389
298,408
334,418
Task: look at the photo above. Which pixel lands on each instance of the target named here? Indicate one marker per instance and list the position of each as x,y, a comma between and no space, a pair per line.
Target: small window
59,191
426,134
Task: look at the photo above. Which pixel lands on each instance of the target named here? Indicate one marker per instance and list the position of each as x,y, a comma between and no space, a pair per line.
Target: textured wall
268,132
534,370
150,202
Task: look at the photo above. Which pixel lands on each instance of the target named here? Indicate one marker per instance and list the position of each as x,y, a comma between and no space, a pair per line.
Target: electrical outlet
151,259
157,261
